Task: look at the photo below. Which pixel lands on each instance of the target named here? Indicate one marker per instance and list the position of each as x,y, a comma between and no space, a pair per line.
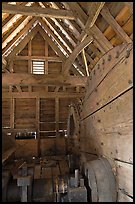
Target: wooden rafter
100,38
72,23
53,35
4,62
67,45
75,53
113,23
30,79
130,5
24,42
42,95
55,47
51,43
60,34
94,30
10,18
94,11
18,36
63,37
61,24
37,11
43,58
14,30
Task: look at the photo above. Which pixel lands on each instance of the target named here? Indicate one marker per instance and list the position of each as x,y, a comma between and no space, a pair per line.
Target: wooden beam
10,19
45,36
62,36
51,43
12,112
95,31
37,124
54,46
99,36
78,11
94,49
61,23
40,58
46,54
11,44
88,57
4,62
67,44
42,95
57,115
67,31
38,79
94,11
23,43
19,89
13,30
59,33
85,62
72,23
75,53
53,35
130,5
29,54
37,11
12,109
113,23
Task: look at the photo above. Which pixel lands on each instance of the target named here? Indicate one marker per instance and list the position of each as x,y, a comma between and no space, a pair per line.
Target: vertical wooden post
57,115
37,124
46,55
29,54
12,109
29,63
56,122
46,62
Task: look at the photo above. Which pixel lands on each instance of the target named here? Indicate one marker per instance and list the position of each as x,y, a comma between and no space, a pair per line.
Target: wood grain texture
125,177
117,81
31,79
103,132
37,11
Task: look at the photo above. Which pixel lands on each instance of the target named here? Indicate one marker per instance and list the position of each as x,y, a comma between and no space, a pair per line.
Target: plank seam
108,103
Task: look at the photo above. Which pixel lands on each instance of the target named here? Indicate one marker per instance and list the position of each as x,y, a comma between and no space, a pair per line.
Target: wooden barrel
107,116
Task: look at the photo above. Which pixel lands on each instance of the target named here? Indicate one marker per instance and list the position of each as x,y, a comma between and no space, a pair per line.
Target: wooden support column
46,61
57,115
85,62
29,62
46,55
29,54
37,124
12,109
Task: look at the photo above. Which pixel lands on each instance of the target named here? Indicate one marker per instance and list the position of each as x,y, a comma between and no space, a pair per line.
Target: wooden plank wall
107,115
26,116
5,112
25,113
